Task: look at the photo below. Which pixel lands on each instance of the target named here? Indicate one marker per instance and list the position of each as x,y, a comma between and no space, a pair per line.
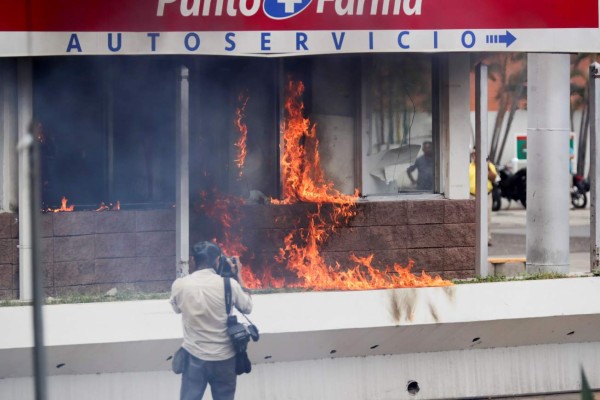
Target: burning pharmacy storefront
279,172
345,168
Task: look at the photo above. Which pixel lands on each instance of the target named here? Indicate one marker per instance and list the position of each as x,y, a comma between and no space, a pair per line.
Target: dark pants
220,375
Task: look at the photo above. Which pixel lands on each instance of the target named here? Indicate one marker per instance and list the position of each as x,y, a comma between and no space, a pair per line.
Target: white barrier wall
463,341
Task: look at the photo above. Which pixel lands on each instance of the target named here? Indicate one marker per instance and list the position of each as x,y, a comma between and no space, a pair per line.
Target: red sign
284,15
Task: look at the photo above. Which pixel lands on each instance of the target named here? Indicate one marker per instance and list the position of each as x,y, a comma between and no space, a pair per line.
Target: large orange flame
304,180
240,123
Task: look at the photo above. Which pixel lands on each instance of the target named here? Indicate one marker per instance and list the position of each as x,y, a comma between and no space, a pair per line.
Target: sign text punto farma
293,27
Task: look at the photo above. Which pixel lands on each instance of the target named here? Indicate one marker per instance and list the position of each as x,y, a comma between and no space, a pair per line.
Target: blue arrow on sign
508,38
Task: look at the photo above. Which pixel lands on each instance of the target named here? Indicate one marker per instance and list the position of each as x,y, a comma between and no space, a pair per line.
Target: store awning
294,27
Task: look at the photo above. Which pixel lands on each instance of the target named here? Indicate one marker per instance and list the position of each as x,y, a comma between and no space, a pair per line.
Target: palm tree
579,101
510,71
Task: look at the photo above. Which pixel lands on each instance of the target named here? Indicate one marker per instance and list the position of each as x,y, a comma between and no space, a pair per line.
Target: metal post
9,135
594,109
29,150
110,133
182,229
24,120
548,178
481,143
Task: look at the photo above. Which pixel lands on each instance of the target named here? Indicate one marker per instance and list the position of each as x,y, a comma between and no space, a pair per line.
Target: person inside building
490,184
424,166
200,299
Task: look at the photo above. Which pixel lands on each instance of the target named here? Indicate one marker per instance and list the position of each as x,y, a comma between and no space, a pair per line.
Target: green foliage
74,298
586,391
523,277
127,295
6,303
132,295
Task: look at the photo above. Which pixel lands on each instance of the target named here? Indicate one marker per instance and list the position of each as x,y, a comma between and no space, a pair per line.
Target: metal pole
24,121
594,109
182,230
29,149
39,352
10,135
481,188
110,132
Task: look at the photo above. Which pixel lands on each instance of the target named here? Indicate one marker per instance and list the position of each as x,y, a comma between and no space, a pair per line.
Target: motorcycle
512,187
578,191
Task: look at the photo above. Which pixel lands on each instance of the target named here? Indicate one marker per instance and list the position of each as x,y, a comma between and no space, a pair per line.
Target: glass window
373,116
397,148
221,90
331,102
106,130
107,124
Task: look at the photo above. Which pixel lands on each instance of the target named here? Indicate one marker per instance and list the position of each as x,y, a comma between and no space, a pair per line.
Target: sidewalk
509,235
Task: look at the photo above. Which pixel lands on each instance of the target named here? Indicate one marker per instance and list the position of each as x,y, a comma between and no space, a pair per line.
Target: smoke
108,128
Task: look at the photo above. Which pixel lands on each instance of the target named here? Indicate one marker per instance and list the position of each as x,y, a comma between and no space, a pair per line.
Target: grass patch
121,295
523,277
75,298
7,303
127,295
133,295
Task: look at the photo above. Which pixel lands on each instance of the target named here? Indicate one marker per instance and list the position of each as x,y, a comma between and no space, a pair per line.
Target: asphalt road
509,235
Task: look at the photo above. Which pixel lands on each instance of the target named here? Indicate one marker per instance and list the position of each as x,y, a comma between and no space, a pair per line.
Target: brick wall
9,255
438,235
93,252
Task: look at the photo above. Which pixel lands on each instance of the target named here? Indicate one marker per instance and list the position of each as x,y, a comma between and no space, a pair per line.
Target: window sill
401,197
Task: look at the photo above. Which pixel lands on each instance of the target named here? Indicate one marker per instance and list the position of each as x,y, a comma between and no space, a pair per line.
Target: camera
238,333
241,334
225,270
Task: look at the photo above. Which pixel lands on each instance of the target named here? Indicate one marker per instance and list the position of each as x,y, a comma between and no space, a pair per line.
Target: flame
110,206
63,207
102,207
304,180
240,144
225,210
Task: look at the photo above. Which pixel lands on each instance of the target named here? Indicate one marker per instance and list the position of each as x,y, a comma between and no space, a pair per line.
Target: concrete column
8,135
456,126
548,176
182,157
594,96
25,117
481,184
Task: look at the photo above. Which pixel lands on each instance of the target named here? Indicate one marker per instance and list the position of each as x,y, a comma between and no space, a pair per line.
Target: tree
509,72
579,102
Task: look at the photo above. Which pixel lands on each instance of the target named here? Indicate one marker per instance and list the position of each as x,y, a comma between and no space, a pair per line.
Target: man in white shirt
200,299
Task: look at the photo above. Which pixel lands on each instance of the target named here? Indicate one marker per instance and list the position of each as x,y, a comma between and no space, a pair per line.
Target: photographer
200,299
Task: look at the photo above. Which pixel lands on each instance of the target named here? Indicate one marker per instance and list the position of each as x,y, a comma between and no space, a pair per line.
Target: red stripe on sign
141,15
